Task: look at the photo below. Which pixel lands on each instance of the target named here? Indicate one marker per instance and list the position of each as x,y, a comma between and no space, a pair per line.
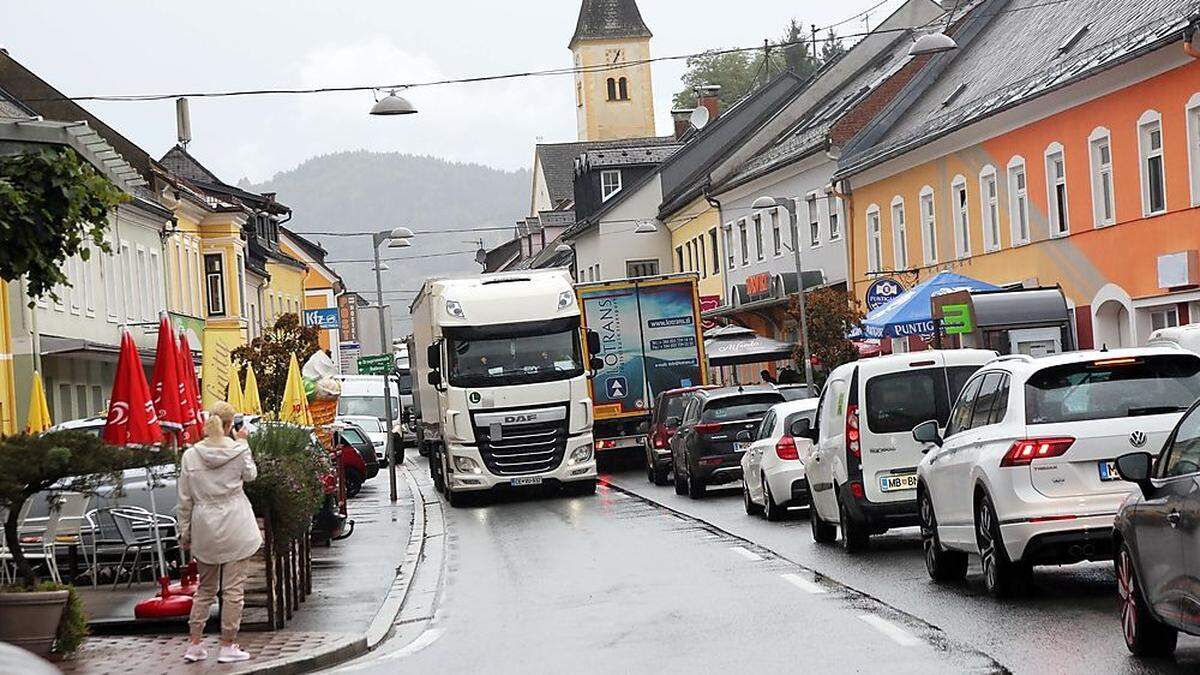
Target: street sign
325,318
379,364
881,292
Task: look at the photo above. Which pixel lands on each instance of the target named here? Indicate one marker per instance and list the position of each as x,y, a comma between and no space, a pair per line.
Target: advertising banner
620,385
670,335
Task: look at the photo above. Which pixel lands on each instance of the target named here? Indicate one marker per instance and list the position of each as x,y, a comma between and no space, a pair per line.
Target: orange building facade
1094,187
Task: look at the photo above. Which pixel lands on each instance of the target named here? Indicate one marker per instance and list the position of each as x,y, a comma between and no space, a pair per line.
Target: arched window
612,89
623,85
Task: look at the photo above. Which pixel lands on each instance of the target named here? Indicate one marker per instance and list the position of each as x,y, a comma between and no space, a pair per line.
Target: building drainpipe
847,198
716,204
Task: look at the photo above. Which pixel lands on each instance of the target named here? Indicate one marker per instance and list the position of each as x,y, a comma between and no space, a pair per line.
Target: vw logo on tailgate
1137,439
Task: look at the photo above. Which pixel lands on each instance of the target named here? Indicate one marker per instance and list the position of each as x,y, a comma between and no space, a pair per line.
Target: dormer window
610,183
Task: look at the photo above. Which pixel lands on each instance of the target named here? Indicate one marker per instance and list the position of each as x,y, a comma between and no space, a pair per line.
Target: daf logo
1137,439
519,419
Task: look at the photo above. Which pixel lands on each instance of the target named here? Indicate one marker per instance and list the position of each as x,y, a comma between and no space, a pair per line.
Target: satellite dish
700,117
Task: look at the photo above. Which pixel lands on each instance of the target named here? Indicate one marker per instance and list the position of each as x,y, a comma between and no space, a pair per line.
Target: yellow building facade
695,247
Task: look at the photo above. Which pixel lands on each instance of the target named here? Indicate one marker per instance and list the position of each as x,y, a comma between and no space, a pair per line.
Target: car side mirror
743,436
672,422
1135,467
927,432
801,428
593,343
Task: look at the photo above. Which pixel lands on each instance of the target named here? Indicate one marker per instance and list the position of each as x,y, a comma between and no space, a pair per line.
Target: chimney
707,95
683,121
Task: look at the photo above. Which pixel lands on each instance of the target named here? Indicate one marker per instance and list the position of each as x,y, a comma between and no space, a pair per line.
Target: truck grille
522,448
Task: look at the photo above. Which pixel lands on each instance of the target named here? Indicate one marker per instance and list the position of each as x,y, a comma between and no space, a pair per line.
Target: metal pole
377,239
808,374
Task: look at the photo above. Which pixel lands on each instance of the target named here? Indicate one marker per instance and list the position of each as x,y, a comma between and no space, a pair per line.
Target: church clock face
614,55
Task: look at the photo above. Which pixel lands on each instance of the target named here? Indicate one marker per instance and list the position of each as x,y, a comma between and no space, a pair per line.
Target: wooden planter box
280,579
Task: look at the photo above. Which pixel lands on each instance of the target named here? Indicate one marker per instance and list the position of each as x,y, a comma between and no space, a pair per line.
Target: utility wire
487,228
443,254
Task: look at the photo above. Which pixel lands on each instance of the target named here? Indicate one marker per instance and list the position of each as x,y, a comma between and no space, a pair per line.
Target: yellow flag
234,395
39,412
250,398
295,403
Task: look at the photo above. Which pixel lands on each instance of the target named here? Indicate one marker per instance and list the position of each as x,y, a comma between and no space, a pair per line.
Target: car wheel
354,482
1000,574
650,469
1145,635
680,485
854,533
771,510
941,564
822,532
696,488
752,509
661,475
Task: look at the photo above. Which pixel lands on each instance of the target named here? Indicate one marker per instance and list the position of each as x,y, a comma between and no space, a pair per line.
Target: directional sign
616,387
380,364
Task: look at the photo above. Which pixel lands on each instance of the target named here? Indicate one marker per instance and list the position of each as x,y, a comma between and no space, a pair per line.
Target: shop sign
325,318
759,285
881,292
707,304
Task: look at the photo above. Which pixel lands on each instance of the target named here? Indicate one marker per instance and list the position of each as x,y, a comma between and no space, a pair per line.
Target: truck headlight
566,299
581,454
467,465
454,309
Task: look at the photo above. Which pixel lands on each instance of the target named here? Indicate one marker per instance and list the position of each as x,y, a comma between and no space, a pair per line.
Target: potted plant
32,613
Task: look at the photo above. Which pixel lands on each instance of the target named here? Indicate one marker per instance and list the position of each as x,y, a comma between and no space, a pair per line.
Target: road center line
745,553
802,583
896,633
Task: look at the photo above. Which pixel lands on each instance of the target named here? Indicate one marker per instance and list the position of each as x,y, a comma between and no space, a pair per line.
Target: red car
664,420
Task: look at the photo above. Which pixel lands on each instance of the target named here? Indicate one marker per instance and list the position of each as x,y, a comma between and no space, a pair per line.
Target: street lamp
789,204
932,43
393,104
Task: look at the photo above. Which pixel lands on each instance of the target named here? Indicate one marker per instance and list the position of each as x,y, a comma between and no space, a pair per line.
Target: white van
862,472
361,402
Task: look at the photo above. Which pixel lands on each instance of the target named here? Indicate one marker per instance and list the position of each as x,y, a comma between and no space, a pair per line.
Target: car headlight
581,454
454,309
566,299
467,465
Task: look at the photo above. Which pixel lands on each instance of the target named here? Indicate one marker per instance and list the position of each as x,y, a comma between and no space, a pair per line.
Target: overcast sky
125,47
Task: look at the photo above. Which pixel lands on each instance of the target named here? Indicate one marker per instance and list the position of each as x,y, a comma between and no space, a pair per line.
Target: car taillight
852,435
856,490
786,448
660,438
707,428
1025,451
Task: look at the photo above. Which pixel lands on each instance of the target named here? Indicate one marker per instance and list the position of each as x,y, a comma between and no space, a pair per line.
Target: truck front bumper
566,472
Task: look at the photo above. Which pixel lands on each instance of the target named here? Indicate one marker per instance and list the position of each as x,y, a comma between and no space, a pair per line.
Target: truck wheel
435,471
695,487
424,450
582,488
457,499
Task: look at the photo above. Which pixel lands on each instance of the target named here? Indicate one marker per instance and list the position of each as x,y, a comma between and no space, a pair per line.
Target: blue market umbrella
910,313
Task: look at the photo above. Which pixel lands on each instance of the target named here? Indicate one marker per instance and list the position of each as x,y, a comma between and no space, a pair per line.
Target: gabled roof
1011,52
557,161
609,19
183,165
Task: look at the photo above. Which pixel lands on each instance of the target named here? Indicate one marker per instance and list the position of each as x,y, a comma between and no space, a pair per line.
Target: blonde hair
219,414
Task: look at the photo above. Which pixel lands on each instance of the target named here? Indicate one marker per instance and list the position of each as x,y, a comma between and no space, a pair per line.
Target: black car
704,450
356,437
664,420
1157,538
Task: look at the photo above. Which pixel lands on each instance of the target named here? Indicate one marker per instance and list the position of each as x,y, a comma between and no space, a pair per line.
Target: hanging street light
393,104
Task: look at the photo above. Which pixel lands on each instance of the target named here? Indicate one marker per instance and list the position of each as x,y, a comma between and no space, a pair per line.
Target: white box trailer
500,382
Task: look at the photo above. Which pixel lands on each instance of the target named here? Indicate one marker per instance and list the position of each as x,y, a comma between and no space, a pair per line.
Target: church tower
612,100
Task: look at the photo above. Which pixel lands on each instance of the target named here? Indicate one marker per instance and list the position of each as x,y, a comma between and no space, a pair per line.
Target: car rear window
750,406
1117,387
673,408
897,402
353,437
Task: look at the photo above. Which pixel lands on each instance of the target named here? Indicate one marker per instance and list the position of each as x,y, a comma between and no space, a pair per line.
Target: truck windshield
523,359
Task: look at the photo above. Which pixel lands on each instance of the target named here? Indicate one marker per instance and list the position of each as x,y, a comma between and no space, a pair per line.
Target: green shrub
288,488
73,626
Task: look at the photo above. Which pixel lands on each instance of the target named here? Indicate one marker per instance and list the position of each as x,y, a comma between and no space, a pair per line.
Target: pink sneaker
195,653
232,654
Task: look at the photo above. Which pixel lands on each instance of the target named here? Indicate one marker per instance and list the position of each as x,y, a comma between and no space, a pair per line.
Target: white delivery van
362,403
863,470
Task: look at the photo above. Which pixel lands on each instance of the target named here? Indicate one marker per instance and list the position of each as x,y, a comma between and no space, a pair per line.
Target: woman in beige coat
218,525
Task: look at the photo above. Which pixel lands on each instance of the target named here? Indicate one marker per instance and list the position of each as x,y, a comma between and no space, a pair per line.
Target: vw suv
705,450
1026,471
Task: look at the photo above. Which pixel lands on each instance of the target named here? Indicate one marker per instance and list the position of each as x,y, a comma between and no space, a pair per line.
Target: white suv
1025,473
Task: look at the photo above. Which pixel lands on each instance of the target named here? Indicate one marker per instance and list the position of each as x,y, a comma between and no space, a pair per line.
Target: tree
51,203
271,353
832,315
832,48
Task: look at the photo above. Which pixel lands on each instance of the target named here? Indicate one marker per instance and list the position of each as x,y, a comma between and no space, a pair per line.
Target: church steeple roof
607,19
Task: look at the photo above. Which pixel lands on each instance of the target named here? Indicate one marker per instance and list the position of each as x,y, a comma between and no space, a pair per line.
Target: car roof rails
1013,357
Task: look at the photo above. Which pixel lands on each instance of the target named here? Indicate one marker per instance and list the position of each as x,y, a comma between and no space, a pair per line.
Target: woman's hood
220,452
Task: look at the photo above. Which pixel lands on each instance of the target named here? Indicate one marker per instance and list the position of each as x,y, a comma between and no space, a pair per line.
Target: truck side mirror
433,354
595,363
434,377
593,342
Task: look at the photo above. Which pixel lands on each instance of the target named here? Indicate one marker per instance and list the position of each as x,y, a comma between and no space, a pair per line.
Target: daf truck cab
501,396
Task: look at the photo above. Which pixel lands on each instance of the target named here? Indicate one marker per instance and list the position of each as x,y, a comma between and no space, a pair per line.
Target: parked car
704,450
773,467
362,403
356,437
664,420
1025,473
794,392
1155,538
864,468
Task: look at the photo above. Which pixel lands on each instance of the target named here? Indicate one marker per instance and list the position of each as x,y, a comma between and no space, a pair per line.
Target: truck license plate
907,481
531,480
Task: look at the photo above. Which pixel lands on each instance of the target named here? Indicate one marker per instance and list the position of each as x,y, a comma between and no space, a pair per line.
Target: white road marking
896,633
802,583
745,553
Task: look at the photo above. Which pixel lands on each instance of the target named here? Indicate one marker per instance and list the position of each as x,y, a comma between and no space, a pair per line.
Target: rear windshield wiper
1155,410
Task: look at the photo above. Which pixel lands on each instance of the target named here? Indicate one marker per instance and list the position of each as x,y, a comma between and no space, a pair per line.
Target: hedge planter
30,619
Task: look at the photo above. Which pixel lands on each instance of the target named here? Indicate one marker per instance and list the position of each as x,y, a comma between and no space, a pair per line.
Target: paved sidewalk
351,584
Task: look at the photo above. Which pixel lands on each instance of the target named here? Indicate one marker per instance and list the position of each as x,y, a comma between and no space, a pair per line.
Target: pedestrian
767,378
789,376
217,524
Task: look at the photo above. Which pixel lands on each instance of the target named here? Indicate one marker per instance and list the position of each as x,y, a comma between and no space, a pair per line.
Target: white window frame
989,208
874,239
89,283
730,253
224,309
1193,131
127,278
1151,121
1170,317
928,225
1102,178
78,282
744,241
145,293
776,233
634,262
108,278
814,218
758,238
960,207
607,192
1018,202
835,217
899,234
1059,219
156,282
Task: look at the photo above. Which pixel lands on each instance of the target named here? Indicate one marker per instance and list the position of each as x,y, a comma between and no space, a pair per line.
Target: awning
736,345
1020,307
910,312
53,345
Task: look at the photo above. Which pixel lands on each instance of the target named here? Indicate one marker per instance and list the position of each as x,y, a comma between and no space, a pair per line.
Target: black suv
704,451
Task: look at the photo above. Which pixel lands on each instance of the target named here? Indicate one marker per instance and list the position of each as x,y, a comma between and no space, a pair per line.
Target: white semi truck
500,368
